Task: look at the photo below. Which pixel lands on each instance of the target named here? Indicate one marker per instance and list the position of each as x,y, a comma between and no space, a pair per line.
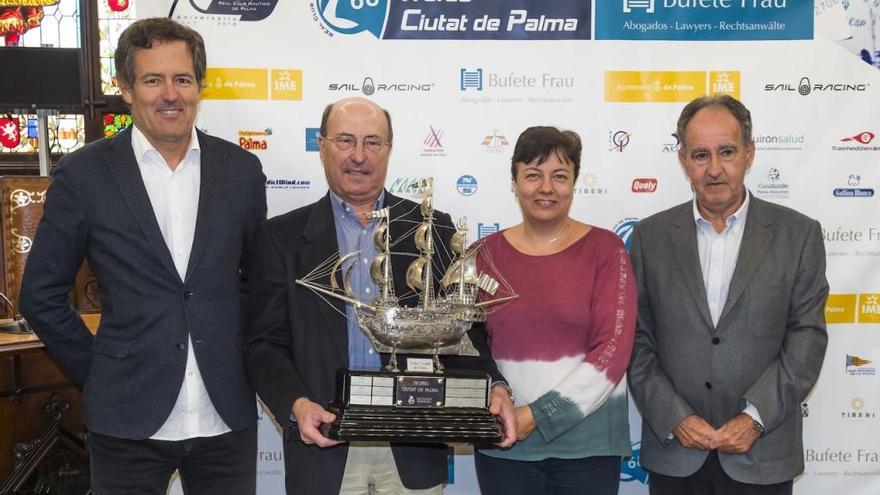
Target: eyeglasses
347,142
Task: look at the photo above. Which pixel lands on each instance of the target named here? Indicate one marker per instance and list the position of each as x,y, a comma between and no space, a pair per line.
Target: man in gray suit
731,329
165,215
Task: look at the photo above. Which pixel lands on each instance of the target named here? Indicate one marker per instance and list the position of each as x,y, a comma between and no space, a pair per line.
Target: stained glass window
19,133
115,122
40,23
113,17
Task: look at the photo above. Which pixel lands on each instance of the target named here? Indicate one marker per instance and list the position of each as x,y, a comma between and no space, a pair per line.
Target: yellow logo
869,308
668,86
841,308
236,84
228,83
287,84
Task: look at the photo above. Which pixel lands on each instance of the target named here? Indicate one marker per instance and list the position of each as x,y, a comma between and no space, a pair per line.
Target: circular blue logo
466,185
353,16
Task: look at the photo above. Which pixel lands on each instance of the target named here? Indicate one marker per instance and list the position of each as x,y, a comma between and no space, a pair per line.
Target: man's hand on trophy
309,416
501,405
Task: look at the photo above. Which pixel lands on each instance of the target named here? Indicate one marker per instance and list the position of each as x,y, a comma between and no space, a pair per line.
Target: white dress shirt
174,195
718,254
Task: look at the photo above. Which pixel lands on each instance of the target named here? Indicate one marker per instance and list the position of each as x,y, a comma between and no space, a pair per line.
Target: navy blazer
296,341
97,208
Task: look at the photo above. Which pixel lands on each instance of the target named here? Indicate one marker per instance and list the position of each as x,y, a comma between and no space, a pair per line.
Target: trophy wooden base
413,408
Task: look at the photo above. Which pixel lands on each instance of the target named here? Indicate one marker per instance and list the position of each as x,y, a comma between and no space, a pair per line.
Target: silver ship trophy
434,404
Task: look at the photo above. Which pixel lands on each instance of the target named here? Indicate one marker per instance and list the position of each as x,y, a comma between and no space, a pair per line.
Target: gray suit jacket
97,208
767,348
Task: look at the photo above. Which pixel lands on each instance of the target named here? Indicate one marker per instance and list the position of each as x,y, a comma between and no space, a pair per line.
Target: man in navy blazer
297,341
165,216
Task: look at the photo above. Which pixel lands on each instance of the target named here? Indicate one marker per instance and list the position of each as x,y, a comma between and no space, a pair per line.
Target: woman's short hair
540,141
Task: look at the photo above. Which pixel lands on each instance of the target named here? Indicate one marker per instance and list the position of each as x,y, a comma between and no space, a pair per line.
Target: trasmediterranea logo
243,10
631,467
863,141
455,19
704,20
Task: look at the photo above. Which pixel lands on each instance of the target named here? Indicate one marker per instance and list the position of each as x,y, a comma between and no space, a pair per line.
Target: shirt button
708,385
187,294
367,290
716,340
181,346
370,351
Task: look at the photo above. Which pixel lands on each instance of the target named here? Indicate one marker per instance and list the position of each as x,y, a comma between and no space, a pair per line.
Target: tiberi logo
840,308
645,185
254,140
233,83
869,308
668,86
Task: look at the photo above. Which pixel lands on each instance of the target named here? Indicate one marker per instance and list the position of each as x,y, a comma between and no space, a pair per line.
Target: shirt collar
739,213
142,146
340,206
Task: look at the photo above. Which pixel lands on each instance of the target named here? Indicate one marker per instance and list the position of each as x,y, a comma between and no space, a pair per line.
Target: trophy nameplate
413,407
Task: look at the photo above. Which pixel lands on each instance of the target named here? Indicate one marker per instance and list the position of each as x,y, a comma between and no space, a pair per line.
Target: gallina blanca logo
247,10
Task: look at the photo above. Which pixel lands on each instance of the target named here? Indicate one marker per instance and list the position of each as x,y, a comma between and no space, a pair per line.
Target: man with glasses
297,340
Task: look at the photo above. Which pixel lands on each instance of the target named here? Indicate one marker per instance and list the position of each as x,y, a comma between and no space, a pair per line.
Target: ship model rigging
439,323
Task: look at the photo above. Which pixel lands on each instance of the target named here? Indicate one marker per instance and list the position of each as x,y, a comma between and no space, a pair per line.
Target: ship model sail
439,323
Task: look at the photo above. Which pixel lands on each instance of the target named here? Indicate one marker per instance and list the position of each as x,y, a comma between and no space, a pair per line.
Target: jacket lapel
213,178
755,241
320,234
684,239
124,169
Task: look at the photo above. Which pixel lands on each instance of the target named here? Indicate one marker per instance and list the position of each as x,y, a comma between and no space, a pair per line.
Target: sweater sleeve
594,380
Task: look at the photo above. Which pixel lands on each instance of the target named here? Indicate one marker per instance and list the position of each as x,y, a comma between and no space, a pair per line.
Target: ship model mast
438,324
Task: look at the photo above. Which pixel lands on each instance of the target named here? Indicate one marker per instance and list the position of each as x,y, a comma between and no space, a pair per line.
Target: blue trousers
587,476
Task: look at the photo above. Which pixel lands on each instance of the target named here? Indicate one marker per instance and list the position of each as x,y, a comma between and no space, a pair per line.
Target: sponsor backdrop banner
463,78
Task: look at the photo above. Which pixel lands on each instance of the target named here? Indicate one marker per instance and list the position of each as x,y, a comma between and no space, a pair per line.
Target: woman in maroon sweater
565,342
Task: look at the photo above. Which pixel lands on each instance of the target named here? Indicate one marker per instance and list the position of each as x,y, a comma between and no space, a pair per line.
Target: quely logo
247,10
644,185
618,140
369,87
854,191
805,87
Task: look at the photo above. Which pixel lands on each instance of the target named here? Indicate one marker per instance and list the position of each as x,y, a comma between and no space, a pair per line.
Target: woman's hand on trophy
525,422
309,417
501,405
